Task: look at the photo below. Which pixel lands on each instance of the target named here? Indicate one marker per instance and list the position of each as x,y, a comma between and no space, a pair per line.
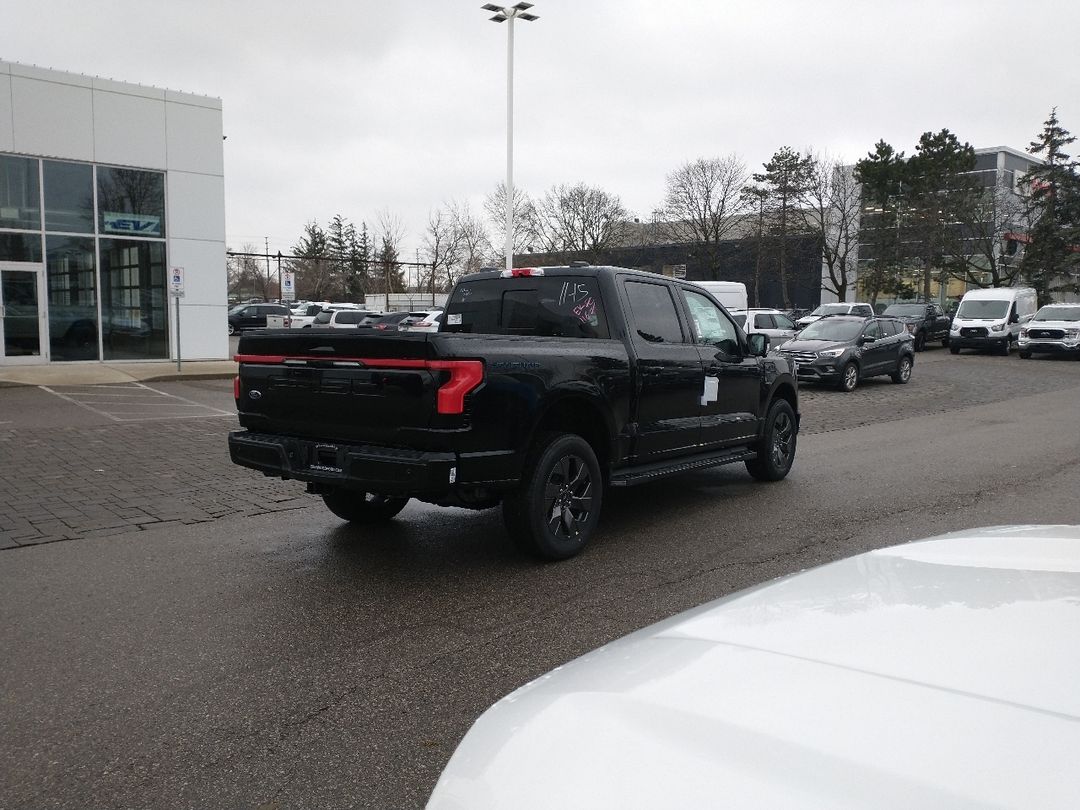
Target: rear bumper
372,468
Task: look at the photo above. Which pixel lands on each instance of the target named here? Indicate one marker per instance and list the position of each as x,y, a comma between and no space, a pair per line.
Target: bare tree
389,236
703,201
980,255
247,275
832,204
442,241
577,218
495,208
456,243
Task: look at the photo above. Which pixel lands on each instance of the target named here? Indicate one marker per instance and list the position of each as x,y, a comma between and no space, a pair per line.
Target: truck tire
903,370
362,507
554,511
954,350
920,341
776,447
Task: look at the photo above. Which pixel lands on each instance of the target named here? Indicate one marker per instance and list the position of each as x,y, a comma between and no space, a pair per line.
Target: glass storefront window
131,202
133,300
20,247
69,197
20,205
71,283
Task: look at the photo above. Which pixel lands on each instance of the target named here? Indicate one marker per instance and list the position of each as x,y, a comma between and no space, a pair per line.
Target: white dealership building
112,196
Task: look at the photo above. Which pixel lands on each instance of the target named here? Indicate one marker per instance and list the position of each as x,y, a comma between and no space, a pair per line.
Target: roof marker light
523,272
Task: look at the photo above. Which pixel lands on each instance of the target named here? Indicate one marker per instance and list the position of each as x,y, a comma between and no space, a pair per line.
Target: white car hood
943,673
1052,324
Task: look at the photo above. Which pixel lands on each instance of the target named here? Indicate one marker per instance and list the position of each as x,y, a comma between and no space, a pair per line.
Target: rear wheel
920,341
232,329
903,370
362,507
849,377
556,508
776,448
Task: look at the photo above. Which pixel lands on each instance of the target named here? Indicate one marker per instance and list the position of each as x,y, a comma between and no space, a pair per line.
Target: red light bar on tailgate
523,272
465,375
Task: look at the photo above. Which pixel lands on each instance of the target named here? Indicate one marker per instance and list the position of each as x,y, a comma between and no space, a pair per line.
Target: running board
629,476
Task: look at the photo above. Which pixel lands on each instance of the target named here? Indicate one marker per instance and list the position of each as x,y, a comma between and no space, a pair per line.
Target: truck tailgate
346,386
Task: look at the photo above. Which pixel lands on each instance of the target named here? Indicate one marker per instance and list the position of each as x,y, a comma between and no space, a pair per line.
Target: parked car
992,318
925,322
933,674
388,322
1055,329
864,310
333,317
423,321
253,316
772,322
844,349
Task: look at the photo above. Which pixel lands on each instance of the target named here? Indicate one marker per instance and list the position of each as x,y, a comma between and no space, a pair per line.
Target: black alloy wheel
903,370
362,507
776,448
232,329
555,511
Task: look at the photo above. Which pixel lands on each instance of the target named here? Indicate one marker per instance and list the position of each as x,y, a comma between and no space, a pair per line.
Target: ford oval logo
255,394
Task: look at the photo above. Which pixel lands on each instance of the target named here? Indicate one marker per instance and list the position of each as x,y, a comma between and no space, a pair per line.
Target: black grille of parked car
1050,334
974,331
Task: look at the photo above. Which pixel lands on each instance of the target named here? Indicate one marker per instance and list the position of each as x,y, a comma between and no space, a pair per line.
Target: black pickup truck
924,322
544,387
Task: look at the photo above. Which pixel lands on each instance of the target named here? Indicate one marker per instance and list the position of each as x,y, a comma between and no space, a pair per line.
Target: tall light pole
508,15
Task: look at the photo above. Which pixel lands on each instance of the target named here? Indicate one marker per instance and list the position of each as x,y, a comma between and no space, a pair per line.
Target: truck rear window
549,306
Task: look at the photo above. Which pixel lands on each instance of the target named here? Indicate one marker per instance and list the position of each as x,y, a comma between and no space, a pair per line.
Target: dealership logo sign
136,224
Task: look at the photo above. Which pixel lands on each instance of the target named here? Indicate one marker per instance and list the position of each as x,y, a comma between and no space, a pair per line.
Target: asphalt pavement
254,652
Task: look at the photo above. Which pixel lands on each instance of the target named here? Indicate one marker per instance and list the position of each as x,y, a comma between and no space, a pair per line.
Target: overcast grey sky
353,107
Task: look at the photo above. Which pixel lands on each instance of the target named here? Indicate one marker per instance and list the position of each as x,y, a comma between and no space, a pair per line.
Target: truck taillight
523,272
465,375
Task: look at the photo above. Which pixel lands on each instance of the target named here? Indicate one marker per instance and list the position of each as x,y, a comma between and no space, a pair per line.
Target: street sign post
288,285
176,290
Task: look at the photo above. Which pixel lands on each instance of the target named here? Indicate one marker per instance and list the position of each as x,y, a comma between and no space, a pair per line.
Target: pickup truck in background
924,322
543,388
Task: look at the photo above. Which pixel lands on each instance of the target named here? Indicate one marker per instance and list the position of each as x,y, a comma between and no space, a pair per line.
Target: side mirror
1015,318
867,339
759,344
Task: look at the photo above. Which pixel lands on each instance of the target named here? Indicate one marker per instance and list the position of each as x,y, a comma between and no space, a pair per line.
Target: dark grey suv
843,349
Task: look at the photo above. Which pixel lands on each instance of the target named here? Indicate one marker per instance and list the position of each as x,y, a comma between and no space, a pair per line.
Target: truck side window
711,325
655,319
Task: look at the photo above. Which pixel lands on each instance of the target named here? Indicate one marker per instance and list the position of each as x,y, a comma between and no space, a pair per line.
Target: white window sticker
453,320
712,390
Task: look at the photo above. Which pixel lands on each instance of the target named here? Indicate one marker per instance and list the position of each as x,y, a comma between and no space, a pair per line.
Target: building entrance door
23,339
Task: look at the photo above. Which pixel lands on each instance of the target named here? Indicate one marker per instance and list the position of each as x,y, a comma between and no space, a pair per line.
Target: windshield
831,309
238,308
827,329
985,309
906,310
1058,314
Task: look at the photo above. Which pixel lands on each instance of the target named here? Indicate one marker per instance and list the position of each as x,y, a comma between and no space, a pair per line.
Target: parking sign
288,286
176,282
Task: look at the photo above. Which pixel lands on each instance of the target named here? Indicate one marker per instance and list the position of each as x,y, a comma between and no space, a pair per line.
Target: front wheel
954,350
776,448
903,371
920,341
849,377
557,506
362,507
232,330
1025,355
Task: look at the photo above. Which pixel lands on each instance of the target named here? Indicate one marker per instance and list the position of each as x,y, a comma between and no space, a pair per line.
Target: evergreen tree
882,174
312,268
1052,258
785,179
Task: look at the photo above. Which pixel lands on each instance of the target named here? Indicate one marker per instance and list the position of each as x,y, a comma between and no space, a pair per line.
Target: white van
992,318
732,294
